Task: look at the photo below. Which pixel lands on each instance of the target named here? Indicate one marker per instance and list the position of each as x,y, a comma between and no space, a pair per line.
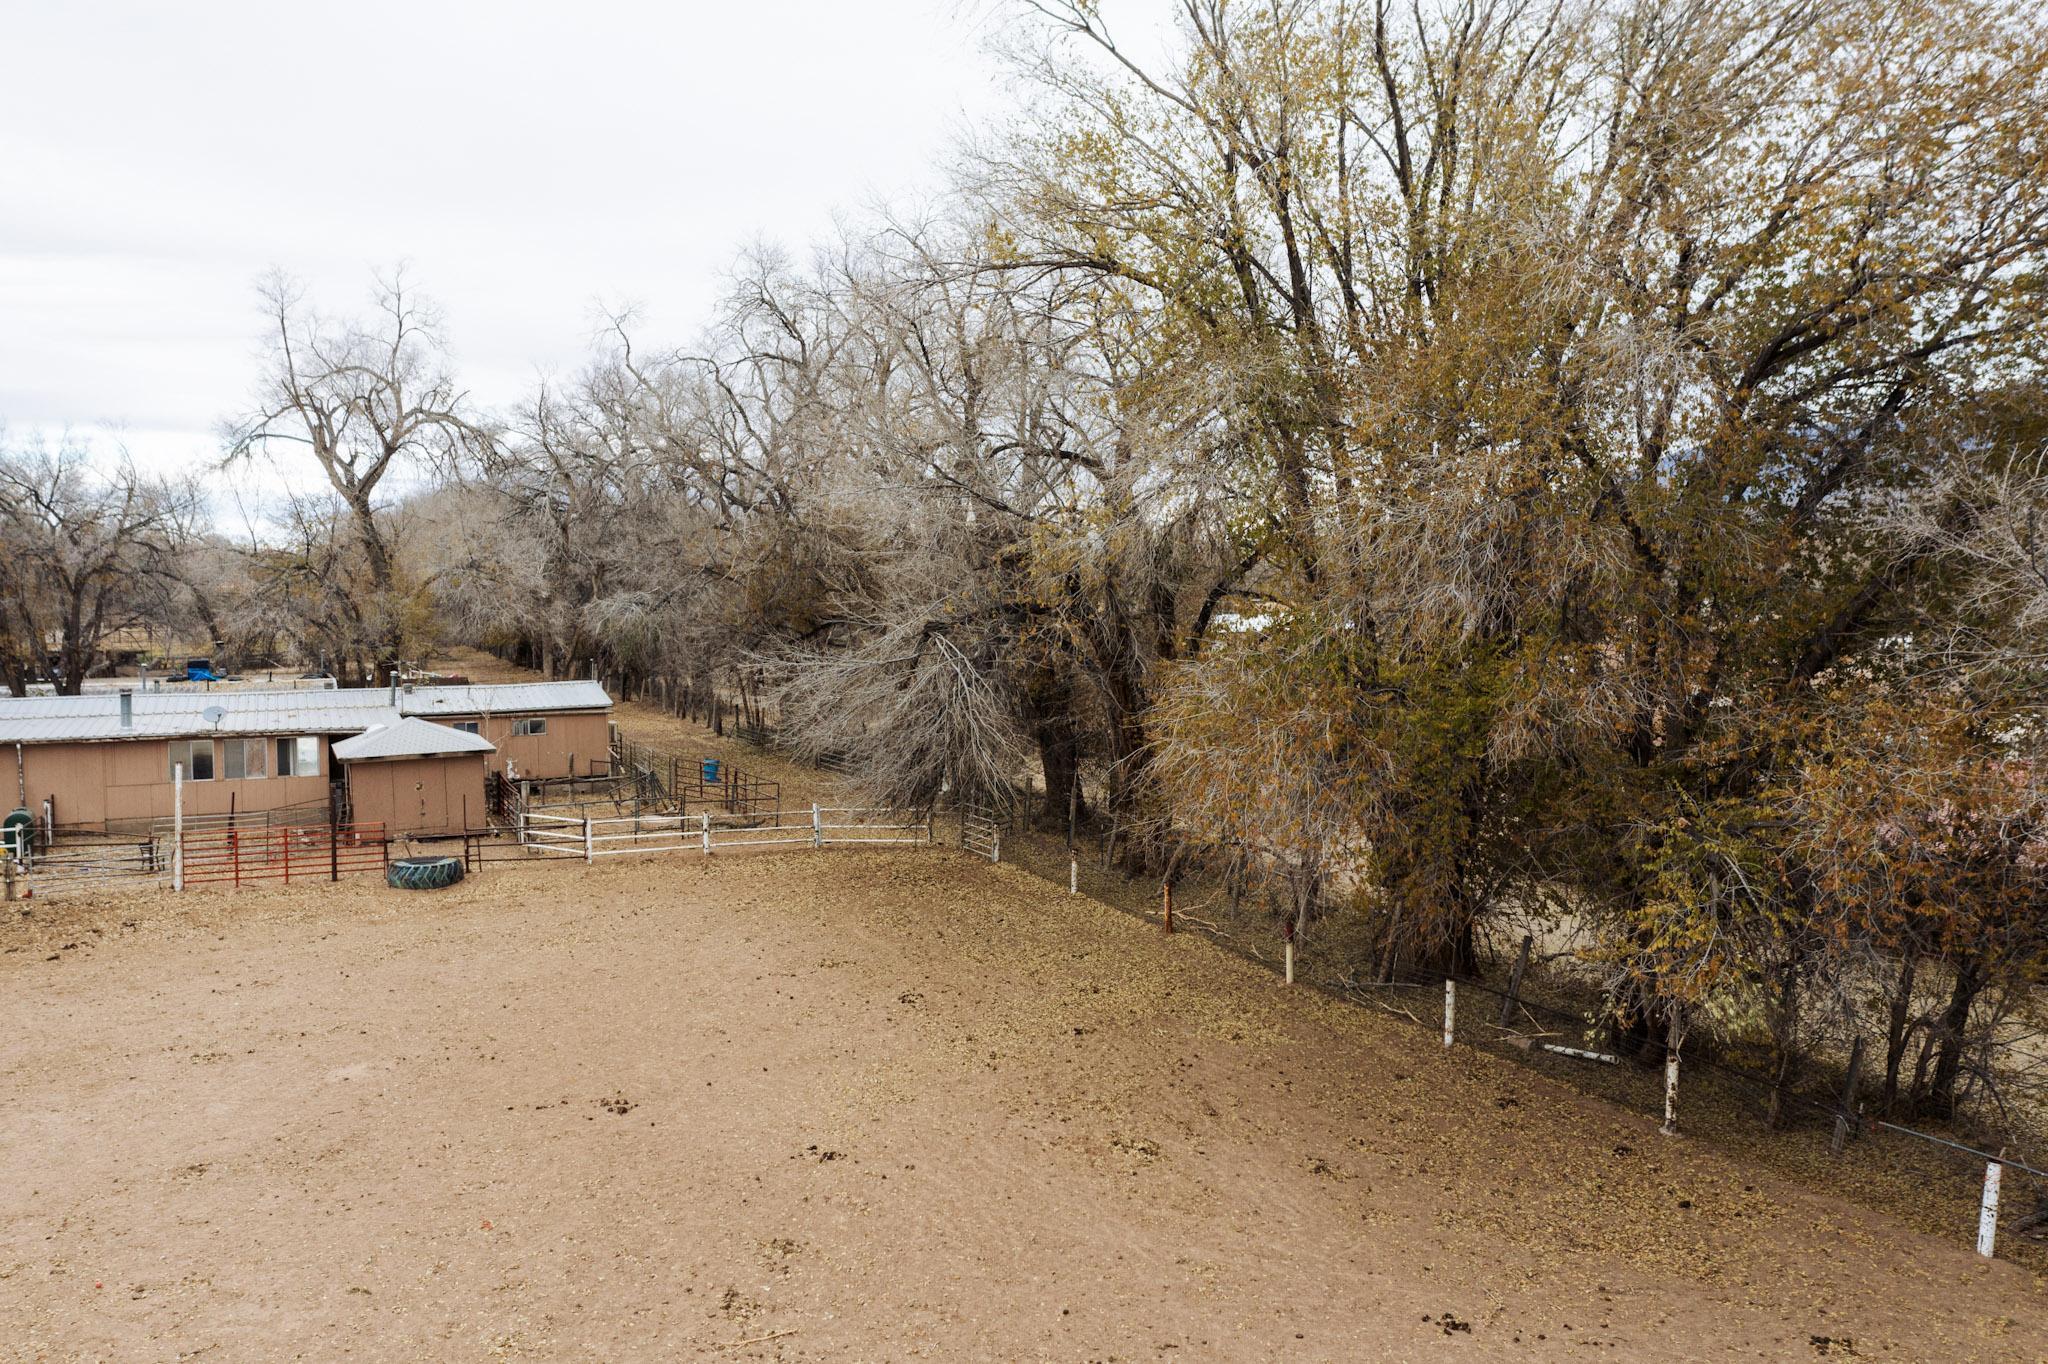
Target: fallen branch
755,1340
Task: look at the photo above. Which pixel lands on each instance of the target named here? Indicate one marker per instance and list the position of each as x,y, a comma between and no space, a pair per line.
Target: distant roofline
162,715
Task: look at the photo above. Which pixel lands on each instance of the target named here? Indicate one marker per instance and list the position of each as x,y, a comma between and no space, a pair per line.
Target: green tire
423,873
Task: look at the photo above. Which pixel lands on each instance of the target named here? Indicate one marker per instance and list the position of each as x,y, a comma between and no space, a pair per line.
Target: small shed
416,777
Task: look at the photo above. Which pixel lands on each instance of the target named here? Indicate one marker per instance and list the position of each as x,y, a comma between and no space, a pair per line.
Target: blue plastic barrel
711,769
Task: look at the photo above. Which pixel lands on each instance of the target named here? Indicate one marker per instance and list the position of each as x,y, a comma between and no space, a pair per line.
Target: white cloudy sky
530,162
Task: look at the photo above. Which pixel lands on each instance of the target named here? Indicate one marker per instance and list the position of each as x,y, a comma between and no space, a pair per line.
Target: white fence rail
590,838
145,861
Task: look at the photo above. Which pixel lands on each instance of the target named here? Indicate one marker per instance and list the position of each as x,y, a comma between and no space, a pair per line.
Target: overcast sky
531,163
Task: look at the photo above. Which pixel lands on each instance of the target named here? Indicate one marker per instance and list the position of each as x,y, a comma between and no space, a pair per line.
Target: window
195,756
245,758
466,726
298,757
536,725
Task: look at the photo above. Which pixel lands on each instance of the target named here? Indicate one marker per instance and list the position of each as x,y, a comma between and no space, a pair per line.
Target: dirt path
651,724
846,1106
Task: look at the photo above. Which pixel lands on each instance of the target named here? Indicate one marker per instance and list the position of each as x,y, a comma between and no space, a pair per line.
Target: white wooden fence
591,838
145,861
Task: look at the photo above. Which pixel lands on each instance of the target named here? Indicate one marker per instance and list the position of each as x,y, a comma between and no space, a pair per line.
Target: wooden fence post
1670,1123
589,850
817,826
177,826
1670,1127
1450,1012
1987,1213
1166,893
1514,994
7,872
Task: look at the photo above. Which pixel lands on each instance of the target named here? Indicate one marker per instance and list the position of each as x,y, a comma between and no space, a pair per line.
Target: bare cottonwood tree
86,548
367,400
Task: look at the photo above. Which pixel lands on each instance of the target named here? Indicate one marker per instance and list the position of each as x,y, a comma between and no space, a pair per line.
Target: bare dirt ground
848,1106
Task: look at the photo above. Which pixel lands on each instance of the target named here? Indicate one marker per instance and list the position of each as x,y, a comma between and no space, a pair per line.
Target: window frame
469,726
183,751
290,747
235,753
530,727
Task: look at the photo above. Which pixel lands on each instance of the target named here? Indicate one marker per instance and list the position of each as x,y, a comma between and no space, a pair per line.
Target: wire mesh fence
1555,1025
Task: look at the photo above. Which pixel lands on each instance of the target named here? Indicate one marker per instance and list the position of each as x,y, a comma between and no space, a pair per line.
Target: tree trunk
1784,1041
1952,1037
1898,1032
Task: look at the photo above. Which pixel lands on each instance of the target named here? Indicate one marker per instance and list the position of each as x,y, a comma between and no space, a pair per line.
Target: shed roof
175,714
404,737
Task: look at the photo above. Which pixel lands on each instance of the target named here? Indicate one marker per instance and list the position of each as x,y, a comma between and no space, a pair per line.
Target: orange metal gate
308,852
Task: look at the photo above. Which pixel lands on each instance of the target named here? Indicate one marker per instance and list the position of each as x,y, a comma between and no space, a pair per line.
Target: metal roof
177,714
403,737
503,698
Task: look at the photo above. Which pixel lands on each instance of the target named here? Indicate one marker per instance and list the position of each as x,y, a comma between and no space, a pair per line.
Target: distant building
414,758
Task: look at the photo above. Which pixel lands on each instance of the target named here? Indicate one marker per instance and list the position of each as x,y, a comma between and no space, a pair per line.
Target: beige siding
585,739
419,795
129,780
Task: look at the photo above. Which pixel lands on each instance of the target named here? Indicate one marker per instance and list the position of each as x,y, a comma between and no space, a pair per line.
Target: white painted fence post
817,826
589,853
177,826
1073,875
1450,1012
995,845
706,817
1290,961
1670,1127
1987,1215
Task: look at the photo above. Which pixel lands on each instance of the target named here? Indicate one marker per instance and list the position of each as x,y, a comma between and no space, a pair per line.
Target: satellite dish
213,715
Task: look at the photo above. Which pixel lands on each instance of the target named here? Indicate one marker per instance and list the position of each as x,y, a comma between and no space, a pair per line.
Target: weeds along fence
587,838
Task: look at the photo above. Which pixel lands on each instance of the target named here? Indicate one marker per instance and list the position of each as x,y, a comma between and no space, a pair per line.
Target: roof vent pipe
127,708
394,687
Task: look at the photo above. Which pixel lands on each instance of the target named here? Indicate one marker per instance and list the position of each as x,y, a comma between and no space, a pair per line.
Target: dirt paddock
847,1106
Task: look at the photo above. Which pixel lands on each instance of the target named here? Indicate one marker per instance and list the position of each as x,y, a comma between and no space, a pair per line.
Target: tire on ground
423,873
